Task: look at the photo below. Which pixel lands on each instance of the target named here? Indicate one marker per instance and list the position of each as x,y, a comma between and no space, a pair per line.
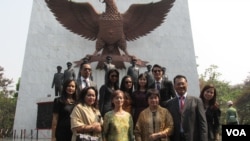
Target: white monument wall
49,44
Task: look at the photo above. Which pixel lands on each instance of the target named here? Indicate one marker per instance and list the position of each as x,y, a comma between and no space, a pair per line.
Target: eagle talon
110,28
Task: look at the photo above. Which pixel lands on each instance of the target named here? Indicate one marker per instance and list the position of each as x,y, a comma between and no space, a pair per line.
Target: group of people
160,110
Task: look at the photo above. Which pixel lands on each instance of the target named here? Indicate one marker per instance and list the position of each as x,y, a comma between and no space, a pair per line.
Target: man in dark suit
84,80
188,114
164,86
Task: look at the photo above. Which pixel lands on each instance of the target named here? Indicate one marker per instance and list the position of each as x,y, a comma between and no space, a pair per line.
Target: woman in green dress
118,124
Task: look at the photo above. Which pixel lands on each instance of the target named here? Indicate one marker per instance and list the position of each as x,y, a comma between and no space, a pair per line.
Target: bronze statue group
141,107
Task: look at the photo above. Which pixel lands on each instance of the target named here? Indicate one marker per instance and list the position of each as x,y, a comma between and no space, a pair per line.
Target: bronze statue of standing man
107,66
69,73
133,71
57,81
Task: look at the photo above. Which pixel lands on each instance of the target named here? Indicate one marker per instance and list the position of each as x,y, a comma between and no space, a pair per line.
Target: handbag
85,137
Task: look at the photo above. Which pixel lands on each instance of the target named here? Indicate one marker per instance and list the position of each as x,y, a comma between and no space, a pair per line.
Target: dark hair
151,92
156,66
212,103
85,60
84,93
122,86
114,94
179,76
81,66
64,94
141,76
108,79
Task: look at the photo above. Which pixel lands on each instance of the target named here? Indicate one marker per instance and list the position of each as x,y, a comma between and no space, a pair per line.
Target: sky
220,28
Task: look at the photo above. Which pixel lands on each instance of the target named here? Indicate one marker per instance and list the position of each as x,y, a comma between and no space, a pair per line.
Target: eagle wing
140,19
79,18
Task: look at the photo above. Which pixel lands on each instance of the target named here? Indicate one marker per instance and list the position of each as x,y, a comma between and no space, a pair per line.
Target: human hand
153,137
96,126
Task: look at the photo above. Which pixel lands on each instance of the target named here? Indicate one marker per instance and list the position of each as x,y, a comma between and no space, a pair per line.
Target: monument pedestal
49,45
44,117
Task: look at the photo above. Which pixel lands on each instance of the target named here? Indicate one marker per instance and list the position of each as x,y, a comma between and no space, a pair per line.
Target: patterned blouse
149,122
117,127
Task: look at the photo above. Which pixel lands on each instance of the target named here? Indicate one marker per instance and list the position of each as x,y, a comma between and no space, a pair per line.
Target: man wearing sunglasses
164,86
85,79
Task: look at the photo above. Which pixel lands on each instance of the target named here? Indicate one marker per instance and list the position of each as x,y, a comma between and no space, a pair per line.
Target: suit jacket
79,84
166,92
193,117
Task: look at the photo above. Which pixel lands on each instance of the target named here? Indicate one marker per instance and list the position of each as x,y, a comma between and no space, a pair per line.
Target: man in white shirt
84,80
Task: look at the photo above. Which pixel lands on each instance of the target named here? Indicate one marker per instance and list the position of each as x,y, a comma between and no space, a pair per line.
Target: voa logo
236,132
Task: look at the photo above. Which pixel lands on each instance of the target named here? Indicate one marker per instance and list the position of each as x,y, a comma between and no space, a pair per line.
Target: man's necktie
182,102
86,83
158,86
182,99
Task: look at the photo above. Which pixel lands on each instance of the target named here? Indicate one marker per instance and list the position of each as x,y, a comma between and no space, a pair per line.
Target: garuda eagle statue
111,29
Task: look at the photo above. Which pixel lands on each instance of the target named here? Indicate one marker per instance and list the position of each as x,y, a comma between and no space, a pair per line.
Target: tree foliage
4,83
243,103
225,92
7,112
7,103
17,88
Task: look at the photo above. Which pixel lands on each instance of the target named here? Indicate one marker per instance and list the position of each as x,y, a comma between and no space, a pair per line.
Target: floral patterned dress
117,127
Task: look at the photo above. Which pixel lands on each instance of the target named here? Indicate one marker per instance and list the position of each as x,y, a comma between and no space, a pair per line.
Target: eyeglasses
127,82
87,69
155,71
114,75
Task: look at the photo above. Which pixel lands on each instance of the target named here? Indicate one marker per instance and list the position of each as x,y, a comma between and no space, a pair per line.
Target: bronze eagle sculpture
111,29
